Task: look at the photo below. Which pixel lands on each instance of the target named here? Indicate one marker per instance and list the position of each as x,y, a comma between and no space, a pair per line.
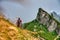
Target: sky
27,9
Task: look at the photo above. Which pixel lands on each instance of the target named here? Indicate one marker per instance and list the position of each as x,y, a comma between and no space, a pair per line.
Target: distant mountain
56,16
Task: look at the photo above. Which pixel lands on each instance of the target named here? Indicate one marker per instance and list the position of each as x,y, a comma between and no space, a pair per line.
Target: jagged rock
56,16
53,26
58,30
46,19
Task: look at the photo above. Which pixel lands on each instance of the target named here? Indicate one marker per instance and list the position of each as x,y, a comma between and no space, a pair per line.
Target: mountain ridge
44,18
46,22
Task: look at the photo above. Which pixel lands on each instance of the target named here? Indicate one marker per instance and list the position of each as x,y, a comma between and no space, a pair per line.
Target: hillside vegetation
10,32
41,30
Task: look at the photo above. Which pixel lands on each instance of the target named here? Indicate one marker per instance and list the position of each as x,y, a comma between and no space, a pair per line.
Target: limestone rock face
53,26
46,19
58,30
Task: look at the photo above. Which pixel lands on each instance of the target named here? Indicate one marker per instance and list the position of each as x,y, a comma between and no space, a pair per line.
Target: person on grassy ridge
19,23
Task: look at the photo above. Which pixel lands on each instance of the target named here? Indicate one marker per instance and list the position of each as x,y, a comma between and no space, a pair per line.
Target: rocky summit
46,19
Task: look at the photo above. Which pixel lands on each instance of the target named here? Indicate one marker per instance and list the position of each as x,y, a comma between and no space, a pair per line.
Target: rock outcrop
48,20
56,16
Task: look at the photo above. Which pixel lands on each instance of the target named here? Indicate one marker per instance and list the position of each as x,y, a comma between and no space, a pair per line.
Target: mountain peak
40,9
56,16
54,13
46,19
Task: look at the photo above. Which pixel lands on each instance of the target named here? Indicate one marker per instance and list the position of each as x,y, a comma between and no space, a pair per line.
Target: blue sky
27,11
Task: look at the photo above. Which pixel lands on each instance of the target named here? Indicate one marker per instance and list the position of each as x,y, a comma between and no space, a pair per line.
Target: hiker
19,23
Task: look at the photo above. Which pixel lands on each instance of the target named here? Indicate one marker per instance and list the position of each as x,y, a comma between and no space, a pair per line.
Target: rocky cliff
48,20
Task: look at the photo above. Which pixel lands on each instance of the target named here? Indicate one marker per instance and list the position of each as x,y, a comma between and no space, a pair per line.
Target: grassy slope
40,29
10,32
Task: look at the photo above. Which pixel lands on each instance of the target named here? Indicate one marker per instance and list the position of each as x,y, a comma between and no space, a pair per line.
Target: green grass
30,26
48,35
40,27
58,38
